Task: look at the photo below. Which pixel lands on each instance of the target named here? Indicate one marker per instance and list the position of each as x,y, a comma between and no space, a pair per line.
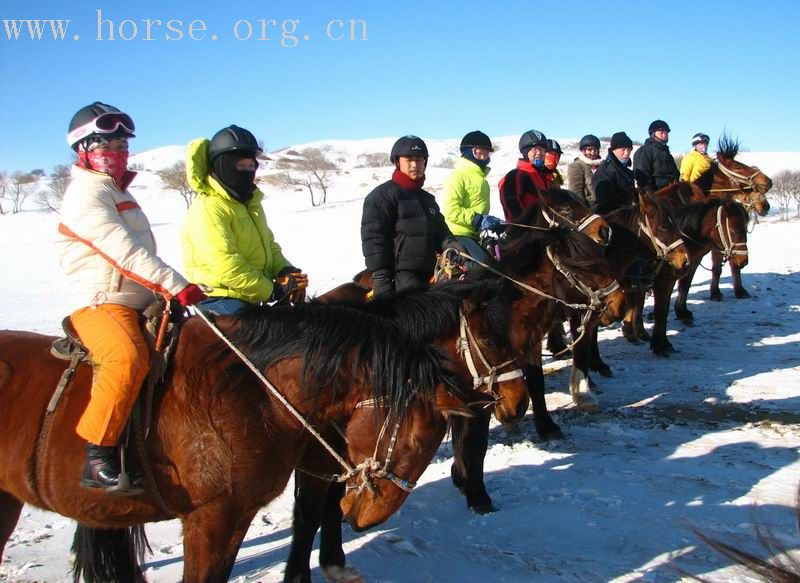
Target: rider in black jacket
402,229
613,181
653,165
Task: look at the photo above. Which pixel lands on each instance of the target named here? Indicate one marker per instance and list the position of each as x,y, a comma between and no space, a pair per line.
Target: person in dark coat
653,165
402,228
613,182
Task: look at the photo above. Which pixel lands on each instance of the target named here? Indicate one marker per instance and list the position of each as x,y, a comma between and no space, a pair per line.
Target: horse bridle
578,226
465,338
728,246
662,250
741,181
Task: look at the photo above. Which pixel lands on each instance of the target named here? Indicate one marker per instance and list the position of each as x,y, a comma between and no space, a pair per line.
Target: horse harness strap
369,468
465,337
728,246
736,179
662,250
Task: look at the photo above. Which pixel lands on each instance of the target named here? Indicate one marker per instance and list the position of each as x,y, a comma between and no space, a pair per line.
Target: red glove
190,295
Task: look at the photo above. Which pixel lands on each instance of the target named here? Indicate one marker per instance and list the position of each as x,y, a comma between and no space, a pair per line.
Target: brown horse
706,226
221,446
471,322
727,179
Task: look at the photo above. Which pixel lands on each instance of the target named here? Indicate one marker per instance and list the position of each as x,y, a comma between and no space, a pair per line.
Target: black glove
382,282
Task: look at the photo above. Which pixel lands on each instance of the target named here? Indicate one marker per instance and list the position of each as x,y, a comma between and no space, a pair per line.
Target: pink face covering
115,164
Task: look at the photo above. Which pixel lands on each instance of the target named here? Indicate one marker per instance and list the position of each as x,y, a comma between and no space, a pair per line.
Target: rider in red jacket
520,188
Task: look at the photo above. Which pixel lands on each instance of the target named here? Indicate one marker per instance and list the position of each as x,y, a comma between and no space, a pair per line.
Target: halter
368,469
662,250
588,220
464,339
740,180
725,238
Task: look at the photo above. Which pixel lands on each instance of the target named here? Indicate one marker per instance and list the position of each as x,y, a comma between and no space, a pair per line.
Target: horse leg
555,340
310,494
331,553
470,442
579,387
629,321
716,272
739,290
10,509
598,365
212,535
641,333
662,290
546,428
682,313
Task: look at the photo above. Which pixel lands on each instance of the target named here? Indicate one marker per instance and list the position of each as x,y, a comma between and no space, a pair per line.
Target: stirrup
124,487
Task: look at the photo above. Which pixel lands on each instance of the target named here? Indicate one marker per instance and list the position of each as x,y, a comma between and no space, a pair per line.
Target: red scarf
115,164
406,182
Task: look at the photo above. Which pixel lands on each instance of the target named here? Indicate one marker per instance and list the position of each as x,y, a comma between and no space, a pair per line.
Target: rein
551,221
368,469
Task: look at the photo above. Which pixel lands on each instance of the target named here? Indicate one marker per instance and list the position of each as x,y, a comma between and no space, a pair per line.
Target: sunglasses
106,123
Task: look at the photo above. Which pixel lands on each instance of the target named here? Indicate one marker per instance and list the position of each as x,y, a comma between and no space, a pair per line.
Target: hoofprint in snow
707,439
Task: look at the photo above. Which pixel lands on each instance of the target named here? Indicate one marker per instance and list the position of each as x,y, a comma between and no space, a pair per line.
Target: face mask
241,182
539,163
115,164
551,160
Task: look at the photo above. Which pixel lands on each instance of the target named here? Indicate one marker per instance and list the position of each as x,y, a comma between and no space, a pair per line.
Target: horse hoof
716,296
485,508
643,335
604,371
742,294
632,339
551,432
337,574
686,320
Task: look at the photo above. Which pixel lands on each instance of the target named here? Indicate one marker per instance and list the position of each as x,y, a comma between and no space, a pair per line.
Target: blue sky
436,69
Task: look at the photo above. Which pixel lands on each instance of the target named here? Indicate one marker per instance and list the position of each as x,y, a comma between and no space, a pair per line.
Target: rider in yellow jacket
697,161
226,242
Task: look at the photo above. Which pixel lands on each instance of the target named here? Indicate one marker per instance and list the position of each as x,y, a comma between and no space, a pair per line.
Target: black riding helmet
530,139
99,120
410,146
477,139
233,139
658,124
588,141
553,146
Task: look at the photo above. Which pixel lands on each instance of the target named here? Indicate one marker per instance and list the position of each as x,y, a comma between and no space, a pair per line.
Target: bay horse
220,446
727,179
711,225
471,323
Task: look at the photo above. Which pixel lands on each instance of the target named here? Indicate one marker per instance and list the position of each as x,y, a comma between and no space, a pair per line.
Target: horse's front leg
579,386
662,290
310,496
716,273
739,290
546,428
10,509
470,442
684,285
212,535
629,321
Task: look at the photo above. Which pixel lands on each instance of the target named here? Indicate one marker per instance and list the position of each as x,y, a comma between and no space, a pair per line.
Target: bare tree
52,197
3,190
174,178
311,170
21,186
784,186
374,160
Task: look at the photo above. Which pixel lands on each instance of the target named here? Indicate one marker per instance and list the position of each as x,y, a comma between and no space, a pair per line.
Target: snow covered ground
707,439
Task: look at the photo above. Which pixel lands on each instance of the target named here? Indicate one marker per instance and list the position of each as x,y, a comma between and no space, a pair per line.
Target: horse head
660,232
564,208
733,179
726,226
390,448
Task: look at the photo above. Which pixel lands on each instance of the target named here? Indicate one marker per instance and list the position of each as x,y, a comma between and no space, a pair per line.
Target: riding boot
102,467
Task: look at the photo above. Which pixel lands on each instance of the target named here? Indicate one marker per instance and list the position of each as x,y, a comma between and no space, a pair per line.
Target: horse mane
689,218
706,179
727,147
523,251
430,312
329,338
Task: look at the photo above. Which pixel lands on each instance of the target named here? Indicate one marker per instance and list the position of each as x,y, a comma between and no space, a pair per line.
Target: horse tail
109,555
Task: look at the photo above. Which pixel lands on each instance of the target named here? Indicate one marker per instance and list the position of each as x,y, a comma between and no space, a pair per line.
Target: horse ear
449,404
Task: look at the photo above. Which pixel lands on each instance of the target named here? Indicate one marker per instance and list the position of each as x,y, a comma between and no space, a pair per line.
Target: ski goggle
106,123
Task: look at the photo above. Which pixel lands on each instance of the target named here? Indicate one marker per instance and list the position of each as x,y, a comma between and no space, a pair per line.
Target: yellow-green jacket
466,193
693,165
227,245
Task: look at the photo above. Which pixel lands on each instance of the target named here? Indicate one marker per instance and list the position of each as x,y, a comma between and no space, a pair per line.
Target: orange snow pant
112,334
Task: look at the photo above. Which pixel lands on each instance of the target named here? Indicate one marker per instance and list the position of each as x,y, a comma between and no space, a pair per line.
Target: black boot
102,467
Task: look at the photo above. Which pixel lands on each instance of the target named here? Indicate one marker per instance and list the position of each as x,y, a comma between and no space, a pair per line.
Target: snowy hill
709,438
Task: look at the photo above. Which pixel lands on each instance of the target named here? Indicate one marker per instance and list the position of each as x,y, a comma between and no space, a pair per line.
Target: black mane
689,218
329,338
727,146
